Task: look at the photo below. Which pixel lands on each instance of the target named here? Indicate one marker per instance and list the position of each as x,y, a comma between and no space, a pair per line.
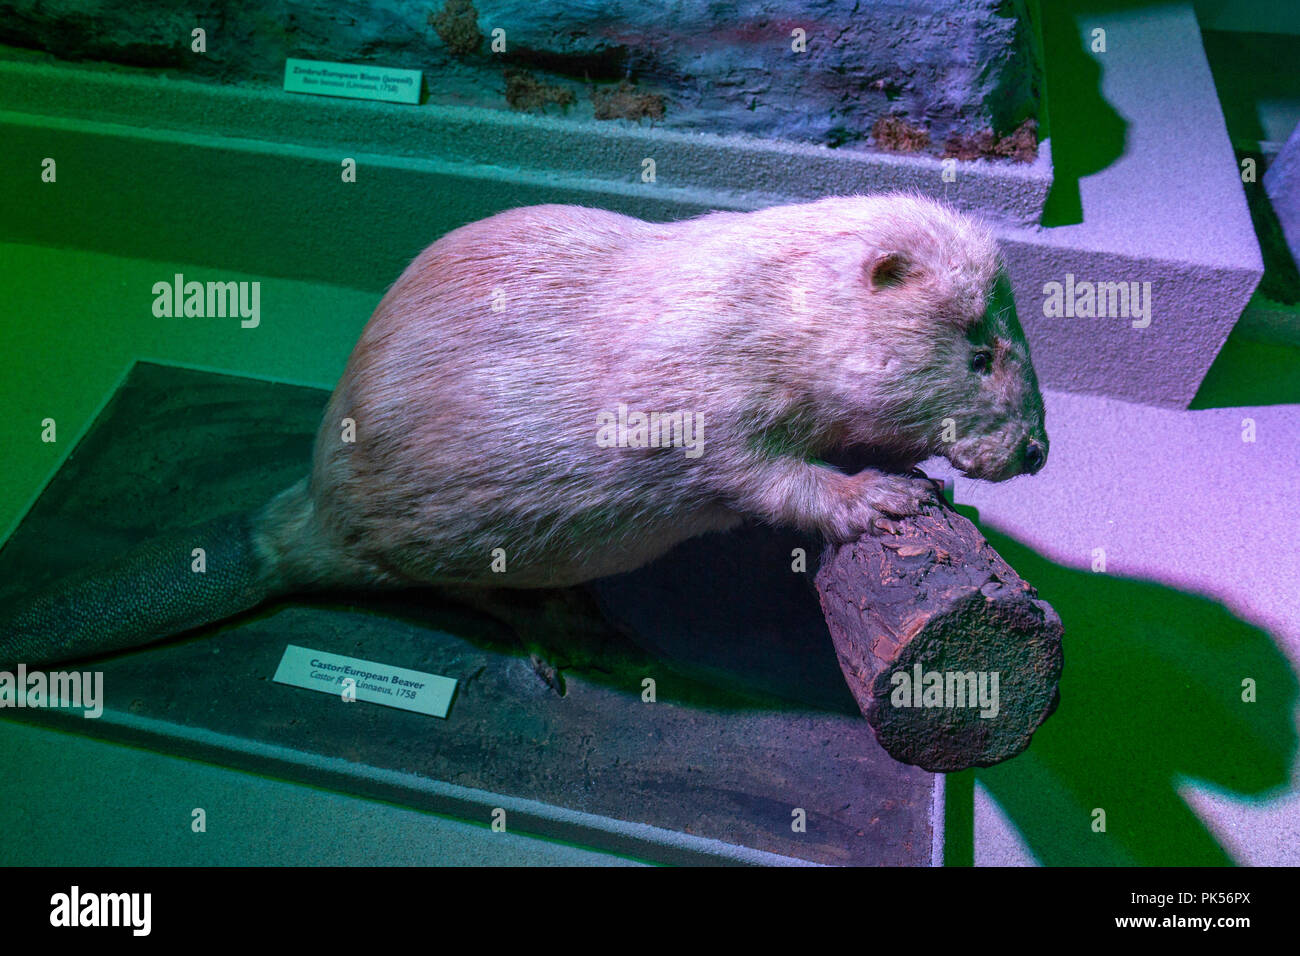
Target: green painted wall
73,322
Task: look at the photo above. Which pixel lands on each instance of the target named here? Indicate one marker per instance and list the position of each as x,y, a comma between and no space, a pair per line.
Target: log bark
936,599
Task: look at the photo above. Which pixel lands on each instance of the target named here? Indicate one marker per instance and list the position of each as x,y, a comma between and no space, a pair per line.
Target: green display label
353,678
355,82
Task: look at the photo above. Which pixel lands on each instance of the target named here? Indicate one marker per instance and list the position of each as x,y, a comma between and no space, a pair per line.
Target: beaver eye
982,362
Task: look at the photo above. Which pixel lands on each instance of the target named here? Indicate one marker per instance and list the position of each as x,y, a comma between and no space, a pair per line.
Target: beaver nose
1035,457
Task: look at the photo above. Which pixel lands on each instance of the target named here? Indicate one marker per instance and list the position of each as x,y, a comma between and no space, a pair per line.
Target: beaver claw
885,525
550,674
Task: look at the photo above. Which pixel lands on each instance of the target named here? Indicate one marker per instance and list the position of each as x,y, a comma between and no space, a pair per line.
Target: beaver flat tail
154,591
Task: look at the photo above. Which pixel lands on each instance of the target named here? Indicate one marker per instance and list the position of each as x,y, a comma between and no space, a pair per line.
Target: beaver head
993,427
920,352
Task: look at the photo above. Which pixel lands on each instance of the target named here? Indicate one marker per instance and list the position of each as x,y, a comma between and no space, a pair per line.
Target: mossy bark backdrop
959,75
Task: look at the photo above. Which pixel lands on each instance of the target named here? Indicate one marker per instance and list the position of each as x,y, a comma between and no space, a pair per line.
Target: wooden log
924,620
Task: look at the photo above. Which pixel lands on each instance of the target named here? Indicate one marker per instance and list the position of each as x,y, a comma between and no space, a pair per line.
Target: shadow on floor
1152,690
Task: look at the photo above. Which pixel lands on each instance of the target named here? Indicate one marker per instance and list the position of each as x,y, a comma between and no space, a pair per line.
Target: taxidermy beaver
558,393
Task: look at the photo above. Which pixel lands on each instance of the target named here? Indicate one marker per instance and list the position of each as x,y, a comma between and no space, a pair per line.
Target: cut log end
952,658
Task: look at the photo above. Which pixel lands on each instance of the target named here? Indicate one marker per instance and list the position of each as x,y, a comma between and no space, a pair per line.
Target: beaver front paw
873,498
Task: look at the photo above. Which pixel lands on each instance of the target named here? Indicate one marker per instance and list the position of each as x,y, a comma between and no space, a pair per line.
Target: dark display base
752,720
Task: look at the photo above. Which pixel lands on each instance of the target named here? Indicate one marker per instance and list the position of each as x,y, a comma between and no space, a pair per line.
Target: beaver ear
887,269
